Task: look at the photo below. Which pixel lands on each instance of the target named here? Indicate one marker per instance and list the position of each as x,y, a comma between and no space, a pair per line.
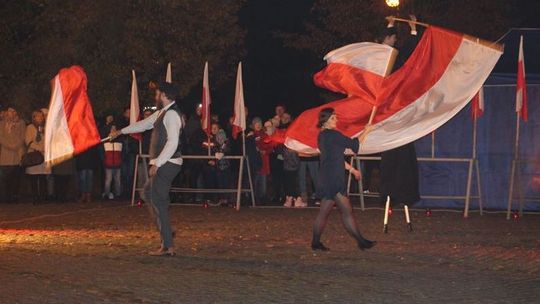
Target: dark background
281,44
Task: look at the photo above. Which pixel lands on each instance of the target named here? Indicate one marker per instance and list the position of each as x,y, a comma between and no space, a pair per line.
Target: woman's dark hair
324,115
385,32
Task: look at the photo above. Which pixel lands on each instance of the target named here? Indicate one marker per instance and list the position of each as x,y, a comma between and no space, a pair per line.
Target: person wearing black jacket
195,138
86,163
399,167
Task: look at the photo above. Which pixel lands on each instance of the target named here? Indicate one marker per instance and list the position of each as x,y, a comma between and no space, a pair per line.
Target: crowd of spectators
105,172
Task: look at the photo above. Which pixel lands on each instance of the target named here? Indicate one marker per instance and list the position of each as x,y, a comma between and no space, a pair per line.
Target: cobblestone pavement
96,254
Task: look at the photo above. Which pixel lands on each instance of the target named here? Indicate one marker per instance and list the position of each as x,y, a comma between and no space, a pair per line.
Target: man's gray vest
159,135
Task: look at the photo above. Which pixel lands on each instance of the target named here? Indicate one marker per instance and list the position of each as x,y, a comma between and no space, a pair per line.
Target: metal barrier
355,160
238,190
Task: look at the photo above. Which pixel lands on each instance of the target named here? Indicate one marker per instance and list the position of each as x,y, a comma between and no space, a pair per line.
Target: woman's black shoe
319,246
366,244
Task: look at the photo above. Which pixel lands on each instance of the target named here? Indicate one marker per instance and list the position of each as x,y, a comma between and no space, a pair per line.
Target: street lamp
392,3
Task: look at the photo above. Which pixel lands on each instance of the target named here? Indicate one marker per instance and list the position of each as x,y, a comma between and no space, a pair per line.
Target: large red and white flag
70,128
134,110
521,86
206,101
477,107
440,78
168,76
239,119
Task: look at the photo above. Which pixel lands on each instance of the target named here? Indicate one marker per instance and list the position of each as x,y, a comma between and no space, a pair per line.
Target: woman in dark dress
331,181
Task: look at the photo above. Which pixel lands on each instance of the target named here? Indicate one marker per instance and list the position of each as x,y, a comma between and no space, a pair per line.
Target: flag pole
516,144
243,143
475,125
208,142
433,144
513,171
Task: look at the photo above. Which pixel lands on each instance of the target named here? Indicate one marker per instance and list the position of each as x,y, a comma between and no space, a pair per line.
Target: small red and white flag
168,76
477,107
206,101
134,110
521,86
239,120
71,127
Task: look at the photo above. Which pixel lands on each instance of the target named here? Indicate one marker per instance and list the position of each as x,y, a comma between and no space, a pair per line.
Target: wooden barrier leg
250,184
479,188
135,180
511,190
468,194
360,185
349,178
239,188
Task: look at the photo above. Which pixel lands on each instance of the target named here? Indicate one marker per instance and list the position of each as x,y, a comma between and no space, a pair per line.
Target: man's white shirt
173,123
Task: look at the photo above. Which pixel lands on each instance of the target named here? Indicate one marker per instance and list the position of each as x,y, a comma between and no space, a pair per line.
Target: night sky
276,74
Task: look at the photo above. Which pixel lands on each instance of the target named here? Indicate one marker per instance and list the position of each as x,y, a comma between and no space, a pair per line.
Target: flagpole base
385,228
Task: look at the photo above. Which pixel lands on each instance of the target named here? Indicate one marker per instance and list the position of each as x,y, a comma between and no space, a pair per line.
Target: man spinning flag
165,159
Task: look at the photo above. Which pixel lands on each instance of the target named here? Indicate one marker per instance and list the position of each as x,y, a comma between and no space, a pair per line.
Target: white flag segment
463,77
368,56
58,144
477,107
168,76
357,69
134,110
206,101
239,120
481,99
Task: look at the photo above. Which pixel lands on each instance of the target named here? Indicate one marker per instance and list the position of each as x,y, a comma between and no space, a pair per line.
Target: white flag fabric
205,102
168,76
239,121
134,109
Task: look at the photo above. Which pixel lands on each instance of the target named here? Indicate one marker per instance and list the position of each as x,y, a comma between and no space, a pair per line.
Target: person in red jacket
112,164
264,147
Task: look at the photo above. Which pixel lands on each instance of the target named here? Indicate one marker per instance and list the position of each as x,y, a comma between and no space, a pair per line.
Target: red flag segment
521,86
71,127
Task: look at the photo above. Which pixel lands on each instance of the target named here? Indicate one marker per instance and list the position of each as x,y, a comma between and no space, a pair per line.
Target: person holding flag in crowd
331,183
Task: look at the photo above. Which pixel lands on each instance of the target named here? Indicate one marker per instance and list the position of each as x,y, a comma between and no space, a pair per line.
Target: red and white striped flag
206,101
134,110
438,80
71,127
239,120
477,107
168,76
521,86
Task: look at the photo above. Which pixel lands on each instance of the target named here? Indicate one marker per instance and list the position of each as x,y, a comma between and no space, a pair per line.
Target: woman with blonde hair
35,141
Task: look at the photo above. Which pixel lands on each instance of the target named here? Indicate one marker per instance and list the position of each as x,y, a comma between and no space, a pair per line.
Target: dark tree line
109,38
334,23
281,41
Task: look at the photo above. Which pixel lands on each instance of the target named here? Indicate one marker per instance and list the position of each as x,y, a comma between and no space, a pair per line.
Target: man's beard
159,104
